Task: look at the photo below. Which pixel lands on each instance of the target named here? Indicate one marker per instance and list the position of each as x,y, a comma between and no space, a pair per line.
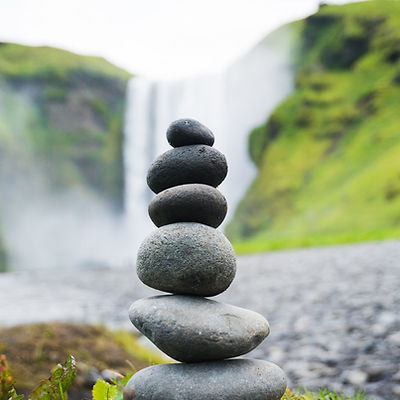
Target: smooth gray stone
187,164
240,379
194,329
186,258
187,131
189,203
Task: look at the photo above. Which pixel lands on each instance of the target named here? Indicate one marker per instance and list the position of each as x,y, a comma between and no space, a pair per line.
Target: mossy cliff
61,117
328,157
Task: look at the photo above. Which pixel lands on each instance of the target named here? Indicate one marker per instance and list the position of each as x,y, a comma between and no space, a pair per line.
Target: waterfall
231,103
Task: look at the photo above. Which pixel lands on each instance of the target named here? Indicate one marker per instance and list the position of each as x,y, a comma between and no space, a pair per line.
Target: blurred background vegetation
328,157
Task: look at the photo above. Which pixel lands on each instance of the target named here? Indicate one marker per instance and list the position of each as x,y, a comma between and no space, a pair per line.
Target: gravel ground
334,311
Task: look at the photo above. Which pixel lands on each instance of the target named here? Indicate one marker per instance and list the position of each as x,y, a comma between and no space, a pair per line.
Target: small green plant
53,388
56,386
103,390
323,394
7,391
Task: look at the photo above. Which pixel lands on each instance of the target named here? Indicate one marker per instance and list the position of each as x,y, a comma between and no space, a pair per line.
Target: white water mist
231,103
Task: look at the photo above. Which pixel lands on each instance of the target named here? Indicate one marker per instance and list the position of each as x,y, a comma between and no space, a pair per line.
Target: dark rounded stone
194,329
188,203
187,164
187,258
185,132
240,379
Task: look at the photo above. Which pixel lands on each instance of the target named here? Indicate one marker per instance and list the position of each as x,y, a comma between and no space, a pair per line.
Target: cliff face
328,157
61,123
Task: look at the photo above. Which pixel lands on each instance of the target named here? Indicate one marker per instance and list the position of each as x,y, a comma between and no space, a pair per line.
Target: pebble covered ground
334,311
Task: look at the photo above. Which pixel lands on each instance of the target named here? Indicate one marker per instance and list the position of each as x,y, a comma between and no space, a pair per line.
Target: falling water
231,103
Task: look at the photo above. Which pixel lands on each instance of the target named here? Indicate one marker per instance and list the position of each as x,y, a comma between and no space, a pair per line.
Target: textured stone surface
317,335
187,164
187,258
192,329
189,203
184,132
219,380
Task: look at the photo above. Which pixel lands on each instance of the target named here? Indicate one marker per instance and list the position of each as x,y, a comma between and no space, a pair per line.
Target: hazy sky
159,38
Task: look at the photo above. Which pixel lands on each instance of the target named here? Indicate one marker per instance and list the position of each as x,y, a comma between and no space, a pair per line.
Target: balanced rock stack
189,258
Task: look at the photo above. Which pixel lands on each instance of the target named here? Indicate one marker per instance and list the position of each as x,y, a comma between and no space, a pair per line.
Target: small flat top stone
184,132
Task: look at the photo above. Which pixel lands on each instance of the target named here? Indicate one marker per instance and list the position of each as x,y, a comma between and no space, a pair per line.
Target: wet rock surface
187,258
240,379
185,132
333,310
187,164
188,203
193,329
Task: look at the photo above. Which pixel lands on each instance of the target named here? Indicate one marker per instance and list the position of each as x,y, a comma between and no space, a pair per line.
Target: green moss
33,350
323,394
55,93
27,62
332,173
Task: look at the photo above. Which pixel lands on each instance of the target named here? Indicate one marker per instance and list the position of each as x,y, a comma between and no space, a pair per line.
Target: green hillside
328,157
45,62
61,126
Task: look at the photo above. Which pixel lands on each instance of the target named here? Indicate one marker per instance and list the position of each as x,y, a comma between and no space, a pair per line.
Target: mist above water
68,229
43,226
74,227
231,103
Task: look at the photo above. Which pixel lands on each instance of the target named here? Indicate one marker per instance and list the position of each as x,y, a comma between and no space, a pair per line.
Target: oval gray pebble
184,132
187,164
240,379
194,329
188,203
187,258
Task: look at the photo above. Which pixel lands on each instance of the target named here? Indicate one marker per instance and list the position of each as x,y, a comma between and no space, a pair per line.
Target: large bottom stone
239,379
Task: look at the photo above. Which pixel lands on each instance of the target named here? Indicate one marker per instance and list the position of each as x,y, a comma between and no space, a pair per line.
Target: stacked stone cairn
192,260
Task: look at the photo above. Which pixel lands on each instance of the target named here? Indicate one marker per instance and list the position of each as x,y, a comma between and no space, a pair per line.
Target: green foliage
7,391
323,394
26,62
261,137
104,391
331,174
32,349
53,388
56,386
113,390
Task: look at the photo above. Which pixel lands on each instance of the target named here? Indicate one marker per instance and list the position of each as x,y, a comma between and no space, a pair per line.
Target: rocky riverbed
334,311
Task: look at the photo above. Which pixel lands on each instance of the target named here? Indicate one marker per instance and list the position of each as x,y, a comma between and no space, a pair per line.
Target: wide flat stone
187,164
193,329
187,131
187,258
189,203
240,379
